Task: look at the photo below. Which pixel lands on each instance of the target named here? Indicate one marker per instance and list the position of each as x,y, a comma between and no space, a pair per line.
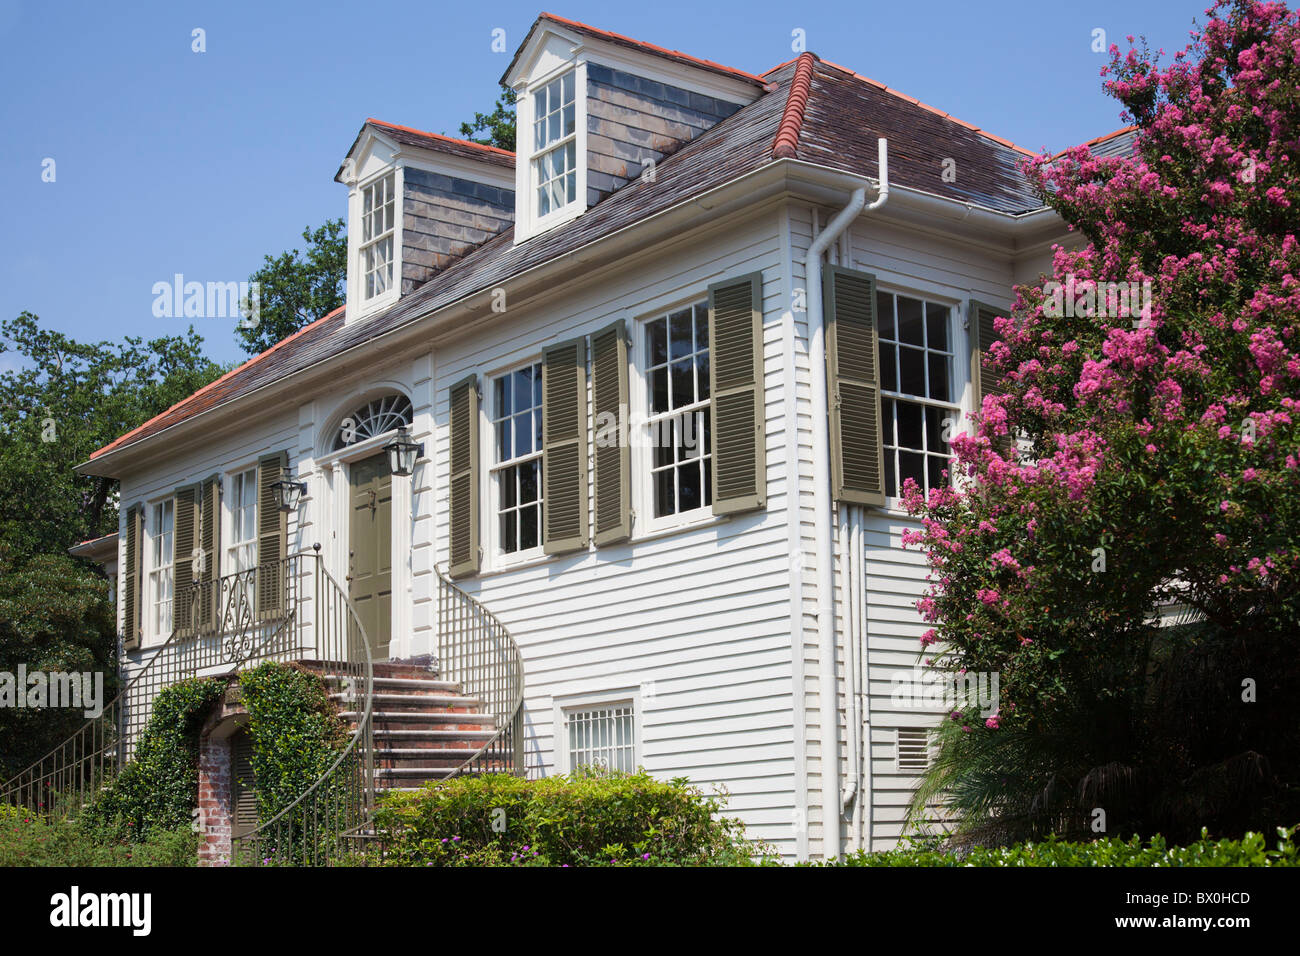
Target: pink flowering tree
1121,543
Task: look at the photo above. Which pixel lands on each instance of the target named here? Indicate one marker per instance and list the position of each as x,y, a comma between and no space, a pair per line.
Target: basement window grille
602,737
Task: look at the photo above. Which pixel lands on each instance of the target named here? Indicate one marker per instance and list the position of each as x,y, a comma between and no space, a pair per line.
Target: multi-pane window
517,474
916,390
555,144
241,553
377,236
602,737
160,568
678,420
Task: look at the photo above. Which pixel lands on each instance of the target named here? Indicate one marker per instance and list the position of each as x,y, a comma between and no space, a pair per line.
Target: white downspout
822,506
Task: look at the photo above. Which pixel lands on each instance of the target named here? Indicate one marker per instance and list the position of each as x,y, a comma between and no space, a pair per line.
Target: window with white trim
678,422
516,416
241,553
377,237
602,736
161,529
555,145
916,390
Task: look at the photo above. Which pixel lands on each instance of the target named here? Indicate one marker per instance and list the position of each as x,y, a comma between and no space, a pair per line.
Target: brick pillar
214,801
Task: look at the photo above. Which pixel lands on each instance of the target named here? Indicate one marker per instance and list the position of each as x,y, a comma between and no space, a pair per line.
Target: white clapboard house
611,430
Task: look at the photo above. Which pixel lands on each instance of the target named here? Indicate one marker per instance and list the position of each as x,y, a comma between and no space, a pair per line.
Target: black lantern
287,493
402,454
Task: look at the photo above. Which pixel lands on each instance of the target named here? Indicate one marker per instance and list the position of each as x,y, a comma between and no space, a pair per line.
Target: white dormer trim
552,61
376,158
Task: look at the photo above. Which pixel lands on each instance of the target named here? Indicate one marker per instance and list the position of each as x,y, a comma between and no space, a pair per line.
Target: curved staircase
410,724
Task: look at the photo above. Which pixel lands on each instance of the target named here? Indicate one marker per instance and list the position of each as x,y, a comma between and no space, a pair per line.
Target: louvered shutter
210,552
131,577
272,536
980,316
564,447
463,502
184,541
736,391
853,381
243,785
613,470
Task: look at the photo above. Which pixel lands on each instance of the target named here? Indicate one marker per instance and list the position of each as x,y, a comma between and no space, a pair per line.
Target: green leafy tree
64,400
499,125
1132,569
297,288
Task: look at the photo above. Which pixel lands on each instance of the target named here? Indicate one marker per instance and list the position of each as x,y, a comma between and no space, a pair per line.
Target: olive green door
243,786
370,544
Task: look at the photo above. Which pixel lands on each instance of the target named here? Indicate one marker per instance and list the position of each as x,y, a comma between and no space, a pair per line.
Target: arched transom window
375,417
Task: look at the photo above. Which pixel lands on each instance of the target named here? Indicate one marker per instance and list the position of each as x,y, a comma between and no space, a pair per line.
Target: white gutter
822,507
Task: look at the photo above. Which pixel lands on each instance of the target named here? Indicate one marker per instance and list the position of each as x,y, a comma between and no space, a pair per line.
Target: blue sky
170,161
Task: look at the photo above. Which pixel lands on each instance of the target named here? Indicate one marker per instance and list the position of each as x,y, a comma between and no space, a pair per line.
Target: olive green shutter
613,471
982,336
243,785
131,577
564,447
853,381
184,541
736,390
463,487
272,536
980,316
210,551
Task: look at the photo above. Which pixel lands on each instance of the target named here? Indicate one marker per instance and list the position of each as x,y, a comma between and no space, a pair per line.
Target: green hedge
1252,850
586,819
29,841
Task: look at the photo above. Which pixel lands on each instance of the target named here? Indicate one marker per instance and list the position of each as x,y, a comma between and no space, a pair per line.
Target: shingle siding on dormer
443,217
631,119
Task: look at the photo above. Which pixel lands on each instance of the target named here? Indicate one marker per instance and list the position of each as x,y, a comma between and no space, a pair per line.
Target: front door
370,543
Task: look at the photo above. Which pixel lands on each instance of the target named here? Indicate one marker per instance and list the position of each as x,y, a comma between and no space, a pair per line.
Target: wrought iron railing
328,819
476,651
240,629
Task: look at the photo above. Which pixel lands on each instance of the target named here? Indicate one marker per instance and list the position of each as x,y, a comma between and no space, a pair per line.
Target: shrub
158,789
585,819
1251,850
26,840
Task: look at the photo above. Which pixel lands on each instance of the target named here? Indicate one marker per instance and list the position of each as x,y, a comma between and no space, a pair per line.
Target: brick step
378,669
429,739
405,684
399,720
423,703
441,759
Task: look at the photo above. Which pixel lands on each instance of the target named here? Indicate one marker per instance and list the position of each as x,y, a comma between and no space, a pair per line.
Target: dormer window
555,145
377,236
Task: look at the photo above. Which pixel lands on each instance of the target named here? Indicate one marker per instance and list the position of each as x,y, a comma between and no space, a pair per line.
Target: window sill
663,530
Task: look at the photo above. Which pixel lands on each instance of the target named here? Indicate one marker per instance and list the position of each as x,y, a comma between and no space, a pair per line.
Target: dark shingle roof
832,119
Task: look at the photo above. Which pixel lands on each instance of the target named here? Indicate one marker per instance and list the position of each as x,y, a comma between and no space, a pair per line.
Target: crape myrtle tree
1121,543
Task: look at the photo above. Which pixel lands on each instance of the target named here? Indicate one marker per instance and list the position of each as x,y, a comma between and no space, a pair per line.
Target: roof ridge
927,107
664,51
786,143
448,139
121,439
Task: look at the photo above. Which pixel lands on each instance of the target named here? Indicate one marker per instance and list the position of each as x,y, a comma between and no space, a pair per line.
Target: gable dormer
416,202
596,109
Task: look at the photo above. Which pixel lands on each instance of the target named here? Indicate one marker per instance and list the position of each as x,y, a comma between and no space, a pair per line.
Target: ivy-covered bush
295,729
158,789
1253,849
585,819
